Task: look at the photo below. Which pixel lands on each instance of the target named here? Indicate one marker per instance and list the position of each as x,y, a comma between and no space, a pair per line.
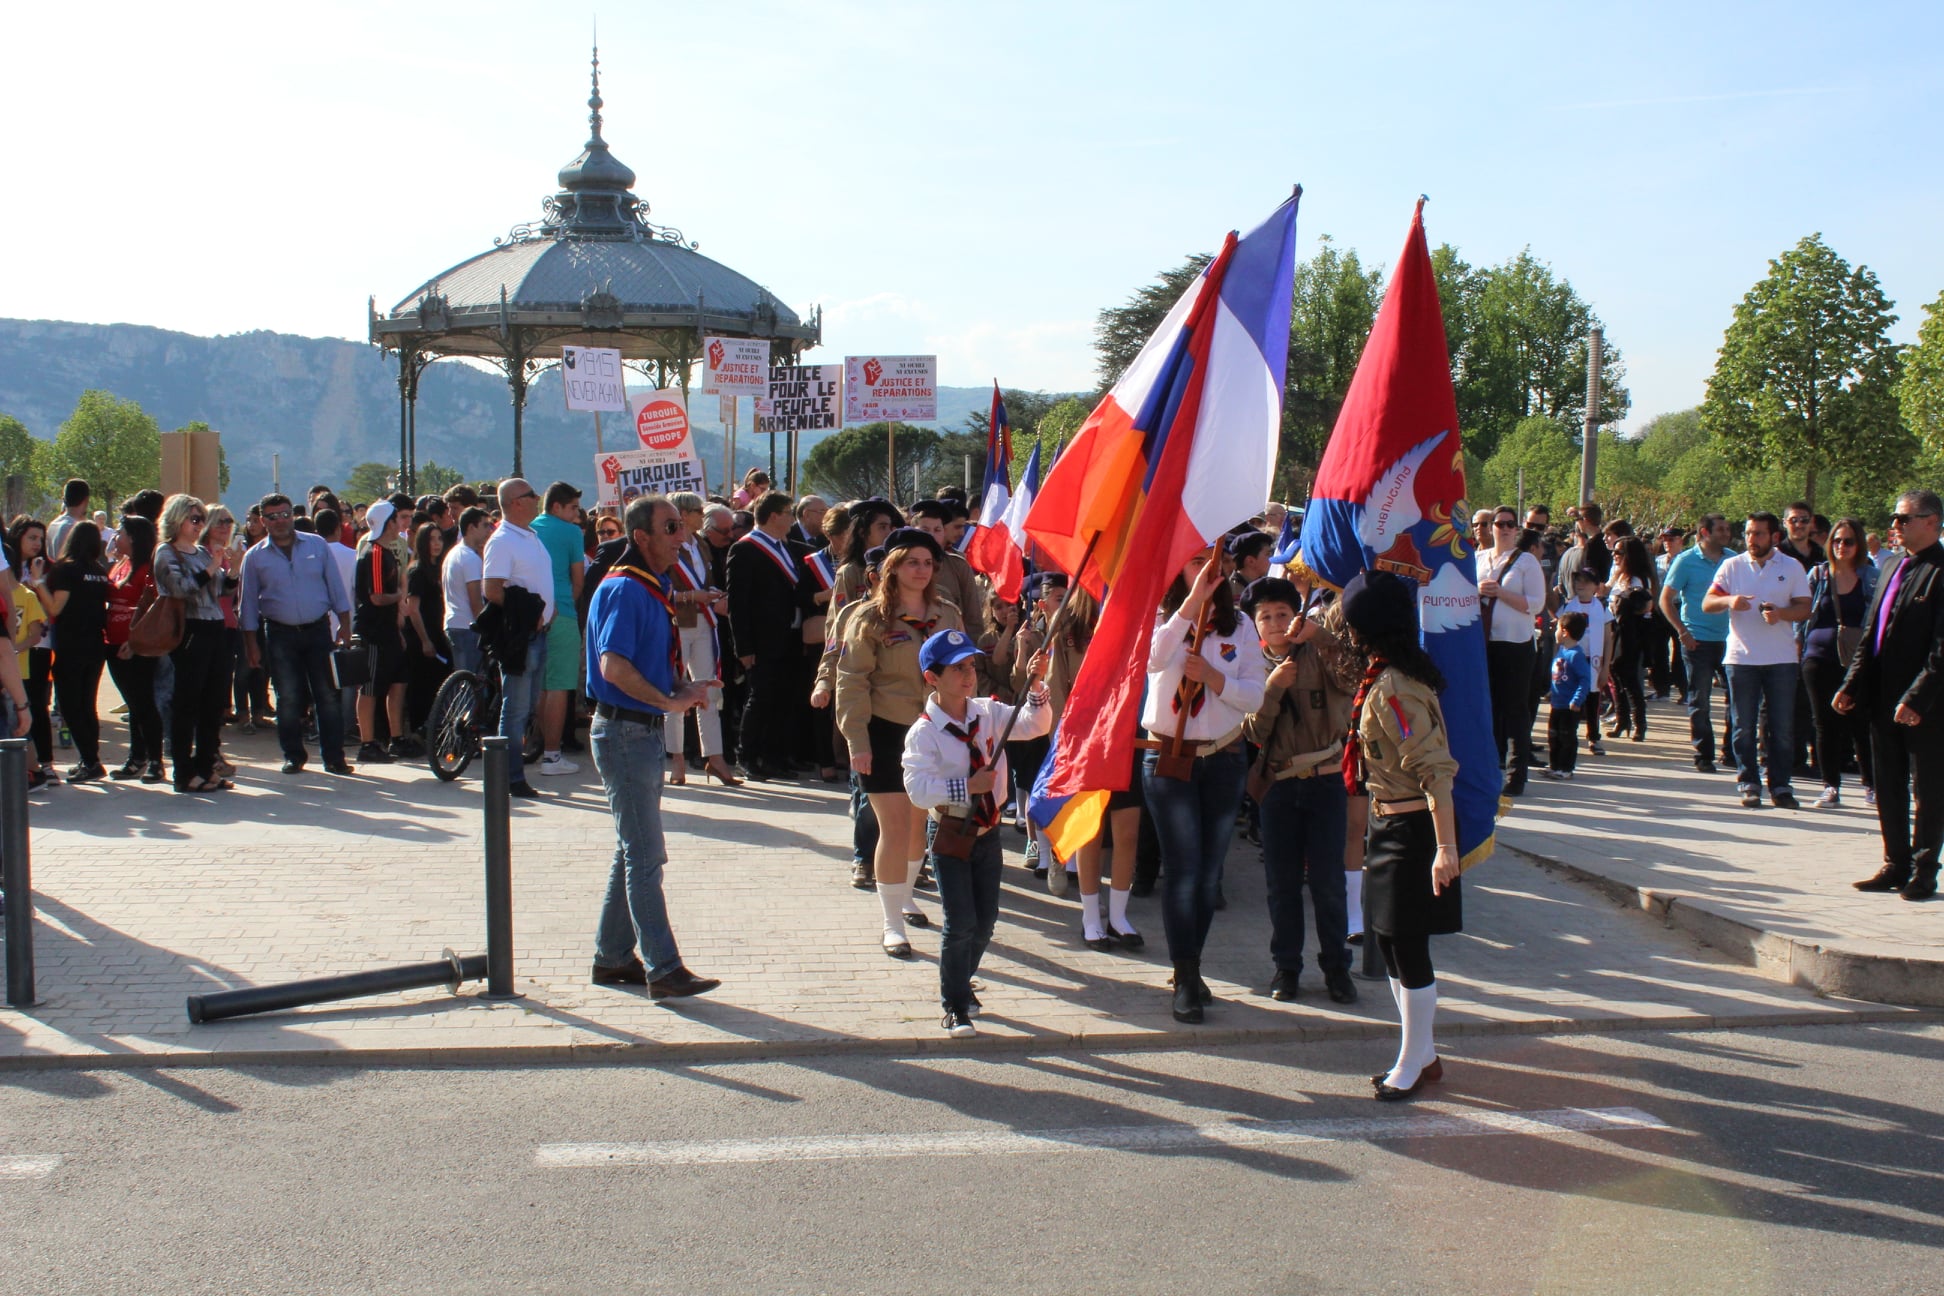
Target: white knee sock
1397,996
1353,901
892,898
1419,1008
1117,911
1090,916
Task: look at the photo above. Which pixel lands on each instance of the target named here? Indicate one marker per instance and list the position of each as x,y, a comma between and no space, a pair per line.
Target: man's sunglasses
1904,519
278,516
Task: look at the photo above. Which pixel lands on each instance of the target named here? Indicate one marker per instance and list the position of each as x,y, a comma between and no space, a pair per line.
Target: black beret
1379,604
913,538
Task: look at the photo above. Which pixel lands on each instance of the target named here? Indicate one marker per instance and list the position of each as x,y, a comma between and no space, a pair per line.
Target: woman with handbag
187,571
74,594
1397,752
1839,596
131,588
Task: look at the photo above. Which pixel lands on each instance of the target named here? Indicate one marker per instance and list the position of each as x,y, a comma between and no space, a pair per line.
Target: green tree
1806,378
1920,392
367,482
1121,331
436,479
17,451
111,444
1544,449
851,463
1026,411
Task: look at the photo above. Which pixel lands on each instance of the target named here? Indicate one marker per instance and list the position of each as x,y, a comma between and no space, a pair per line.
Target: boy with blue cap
953,762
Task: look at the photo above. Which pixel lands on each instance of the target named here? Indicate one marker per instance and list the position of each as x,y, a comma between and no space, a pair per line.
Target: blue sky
975,181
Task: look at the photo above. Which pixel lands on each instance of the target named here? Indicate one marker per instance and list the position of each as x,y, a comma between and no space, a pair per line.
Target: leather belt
609,711
297,625
1212,747
1309,764
1400,807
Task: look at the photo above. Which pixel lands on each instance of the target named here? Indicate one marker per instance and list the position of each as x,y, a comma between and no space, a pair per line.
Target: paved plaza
147,897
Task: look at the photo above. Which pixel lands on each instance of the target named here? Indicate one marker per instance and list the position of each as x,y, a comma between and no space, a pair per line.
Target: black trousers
1837,736
1562,739
135,678
77,686
40,691
767,731
1906,754
1508,667
201,690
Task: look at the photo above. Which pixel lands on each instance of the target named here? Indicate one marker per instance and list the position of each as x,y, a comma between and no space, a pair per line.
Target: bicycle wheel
451,730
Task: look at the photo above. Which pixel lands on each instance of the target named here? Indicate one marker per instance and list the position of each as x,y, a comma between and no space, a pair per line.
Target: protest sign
735,366
592,379
802,398
665,463
897,388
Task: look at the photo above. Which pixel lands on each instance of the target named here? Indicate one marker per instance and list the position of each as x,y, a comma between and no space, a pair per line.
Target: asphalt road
1802,1160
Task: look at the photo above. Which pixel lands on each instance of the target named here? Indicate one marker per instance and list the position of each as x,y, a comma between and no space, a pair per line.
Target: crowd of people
758,638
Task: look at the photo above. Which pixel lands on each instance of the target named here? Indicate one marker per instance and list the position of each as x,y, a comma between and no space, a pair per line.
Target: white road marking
1110,1138
29,1167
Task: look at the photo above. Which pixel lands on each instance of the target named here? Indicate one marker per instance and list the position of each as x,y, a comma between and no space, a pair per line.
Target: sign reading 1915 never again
802,398
665,463
593,380
899,388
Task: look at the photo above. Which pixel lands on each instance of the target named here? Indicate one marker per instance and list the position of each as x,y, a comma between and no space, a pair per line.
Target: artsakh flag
1390,494
984,550
1178,452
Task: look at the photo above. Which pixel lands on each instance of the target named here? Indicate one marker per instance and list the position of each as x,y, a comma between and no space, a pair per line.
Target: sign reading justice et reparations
735,366
802,398
895,388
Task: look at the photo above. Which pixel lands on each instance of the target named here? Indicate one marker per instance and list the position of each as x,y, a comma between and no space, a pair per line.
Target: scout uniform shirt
1402,729
878,672
1300,729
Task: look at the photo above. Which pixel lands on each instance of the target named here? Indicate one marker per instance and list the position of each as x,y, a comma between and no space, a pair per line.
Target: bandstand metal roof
593,271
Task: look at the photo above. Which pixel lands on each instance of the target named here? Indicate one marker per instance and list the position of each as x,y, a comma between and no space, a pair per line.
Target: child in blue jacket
1572,689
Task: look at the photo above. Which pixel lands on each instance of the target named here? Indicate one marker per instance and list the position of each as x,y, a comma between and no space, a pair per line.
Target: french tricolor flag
1178,452
999,550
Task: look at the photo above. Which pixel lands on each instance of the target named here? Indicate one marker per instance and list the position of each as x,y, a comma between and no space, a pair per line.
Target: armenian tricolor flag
1178,452
1390,493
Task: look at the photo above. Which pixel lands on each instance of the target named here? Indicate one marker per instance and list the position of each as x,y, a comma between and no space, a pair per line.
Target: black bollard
16,873
448,971
499,872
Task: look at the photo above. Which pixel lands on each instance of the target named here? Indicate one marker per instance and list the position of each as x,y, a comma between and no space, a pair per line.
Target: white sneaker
1829,800
557,765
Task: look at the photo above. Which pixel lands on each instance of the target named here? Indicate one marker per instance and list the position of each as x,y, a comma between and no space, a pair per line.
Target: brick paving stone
146,898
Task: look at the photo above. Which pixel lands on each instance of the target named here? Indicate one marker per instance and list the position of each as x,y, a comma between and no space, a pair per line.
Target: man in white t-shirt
1764,591
461,577
516,559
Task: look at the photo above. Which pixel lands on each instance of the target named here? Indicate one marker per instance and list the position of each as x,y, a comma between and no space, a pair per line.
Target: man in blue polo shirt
634,663
1704,635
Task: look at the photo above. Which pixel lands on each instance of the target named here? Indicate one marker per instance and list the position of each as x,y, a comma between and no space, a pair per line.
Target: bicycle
465,711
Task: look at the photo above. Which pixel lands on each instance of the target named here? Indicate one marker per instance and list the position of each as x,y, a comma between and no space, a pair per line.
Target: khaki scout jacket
877,669
1406,755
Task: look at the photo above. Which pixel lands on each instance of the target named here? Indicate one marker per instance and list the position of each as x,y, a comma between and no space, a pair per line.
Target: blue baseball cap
946,648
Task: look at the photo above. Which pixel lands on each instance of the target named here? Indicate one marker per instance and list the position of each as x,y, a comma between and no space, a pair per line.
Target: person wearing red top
133,576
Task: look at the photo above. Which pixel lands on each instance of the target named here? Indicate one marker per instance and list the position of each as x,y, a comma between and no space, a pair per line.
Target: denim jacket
1821,591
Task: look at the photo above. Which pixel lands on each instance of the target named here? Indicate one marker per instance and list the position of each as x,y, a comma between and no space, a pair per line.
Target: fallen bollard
448,971
16,873
495,966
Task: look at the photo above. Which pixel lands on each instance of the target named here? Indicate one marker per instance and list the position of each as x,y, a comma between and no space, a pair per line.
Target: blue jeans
1703,660
1750,690
864,825
629,756
519,694
1195,822
1304,822
465,649
969,891
300,663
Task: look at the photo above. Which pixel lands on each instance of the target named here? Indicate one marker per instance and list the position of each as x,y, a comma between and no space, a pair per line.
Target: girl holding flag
1205,677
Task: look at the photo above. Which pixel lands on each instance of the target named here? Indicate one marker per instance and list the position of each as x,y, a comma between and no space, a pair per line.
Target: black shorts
1023,761
387,658
887,756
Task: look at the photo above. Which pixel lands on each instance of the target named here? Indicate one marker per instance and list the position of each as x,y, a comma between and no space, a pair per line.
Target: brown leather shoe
629,973
1921,887
681,983
1887,878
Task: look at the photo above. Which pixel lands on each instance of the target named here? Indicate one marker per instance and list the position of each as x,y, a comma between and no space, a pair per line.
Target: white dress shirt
936,764
1237,656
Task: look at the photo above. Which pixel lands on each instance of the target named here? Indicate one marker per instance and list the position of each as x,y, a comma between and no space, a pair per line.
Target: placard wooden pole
598,449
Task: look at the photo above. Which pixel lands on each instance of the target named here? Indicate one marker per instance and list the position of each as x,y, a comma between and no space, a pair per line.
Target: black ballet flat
1102,944
917,919
1128,939
902,950
1430,1075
